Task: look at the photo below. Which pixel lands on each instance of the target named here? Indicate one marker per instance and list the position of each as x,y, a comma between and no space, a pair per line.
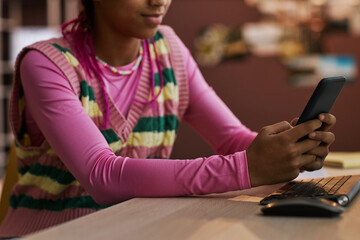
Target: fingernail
321,117
312,135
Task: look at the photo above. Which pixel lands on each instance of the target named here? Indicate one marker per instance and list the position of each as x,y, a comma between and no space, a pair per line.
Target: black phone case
323,98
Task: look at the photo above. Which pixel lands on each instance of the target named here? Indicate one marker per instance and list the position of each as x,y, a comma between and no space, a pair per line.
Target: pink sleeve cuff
244,178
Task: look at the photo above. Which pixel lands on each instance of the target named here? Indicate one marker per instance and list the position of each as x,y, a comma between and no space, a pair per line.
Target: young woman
95,115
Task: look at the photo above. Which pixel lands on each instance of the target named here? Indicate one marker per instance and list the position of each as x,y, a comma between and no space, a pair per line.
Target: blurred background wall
255,87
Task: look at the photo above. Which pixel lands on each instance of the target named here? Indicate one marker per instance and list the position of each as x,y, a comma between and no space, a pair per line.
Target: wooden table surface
232,215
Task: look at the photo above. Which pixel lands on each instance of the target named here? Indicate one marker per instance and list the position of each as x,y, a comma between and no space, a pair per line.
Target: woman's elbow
103,196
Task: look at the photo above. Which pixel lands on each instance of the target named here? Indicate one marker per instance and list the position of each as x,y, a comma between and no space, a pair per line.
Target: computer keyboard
341,189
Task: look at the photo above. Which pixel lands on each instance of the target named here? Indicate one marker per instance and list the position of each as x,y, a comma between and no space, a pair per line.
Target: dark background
256,88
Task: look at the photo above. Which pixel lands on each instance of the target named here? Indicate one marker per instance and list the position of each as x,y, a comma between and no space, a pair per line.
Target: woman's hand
276,156
326,138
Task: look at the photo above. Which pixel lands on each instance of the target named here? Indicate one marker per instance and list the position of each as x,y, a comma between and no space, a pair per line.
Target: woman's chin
148,33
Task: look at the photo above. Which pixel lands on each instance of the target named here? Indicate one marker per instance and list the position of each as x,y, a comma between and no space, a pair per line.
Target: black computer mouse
317,207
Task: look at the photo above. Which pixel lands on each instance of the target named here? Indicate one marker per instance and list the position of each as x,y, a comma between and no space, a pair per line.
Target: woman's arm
109,179
209,115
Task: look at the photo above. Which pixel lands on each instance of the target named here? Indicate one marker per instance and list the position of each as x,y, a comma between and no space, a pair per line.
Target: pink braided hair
79,36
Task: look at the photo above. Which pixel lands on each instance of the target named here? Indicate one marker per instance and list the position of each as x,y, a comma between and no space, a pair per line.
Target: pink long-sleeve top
54,112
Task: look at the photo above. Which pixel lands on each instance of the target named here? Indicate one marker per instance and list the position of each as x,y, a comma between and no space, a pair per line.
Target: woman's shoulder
170,36
53,54
45,47
166,28
55,49
57,42
168,32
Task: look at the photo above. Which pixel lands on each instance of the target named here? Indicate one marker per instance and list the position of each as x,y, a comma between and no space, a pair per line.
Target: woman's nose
158,2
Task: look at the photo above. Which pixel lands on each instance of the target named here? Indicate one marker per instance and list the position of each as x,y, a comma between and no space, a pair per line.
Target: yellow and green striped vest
46,188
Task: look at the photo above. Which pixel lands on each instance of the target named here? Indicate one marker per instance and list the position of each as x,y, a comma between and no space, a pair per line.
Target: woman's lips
153,19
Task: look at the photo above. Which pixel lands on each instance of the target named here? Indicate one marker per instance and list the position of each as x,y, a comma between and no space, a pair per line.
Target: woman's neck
116,50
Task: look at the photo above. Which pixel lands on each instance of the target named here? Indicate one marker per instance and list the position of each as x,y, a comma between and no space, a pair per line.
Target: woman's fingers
319,153
328,120
294,121
297,132
276,128
325,137
307,159
307,145
315,164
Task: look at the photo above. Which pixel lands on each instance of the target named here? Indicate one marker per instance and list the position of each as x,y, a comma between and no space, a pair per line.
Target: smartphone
322,99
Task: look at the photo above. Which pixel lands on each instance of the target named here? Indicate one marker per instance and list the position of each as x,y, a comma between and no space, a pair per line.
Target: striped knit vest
47,193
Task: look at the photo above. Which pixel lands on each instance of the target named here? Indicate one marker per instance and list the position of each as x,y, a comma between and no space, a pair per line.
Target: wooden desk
233,215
